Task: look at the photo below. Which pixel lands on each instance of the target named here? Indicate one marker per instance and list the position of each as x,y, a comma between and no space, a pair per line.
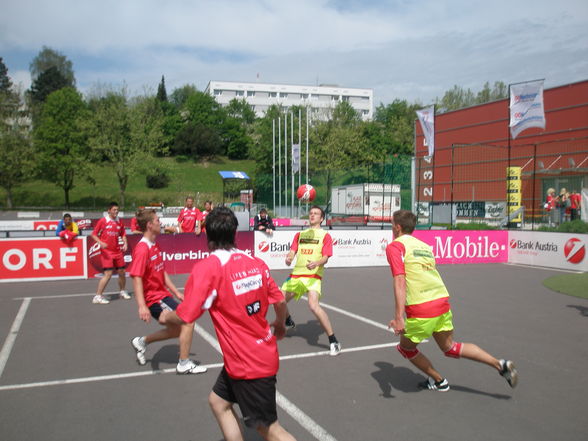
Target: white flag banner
295,158
427,120
526,107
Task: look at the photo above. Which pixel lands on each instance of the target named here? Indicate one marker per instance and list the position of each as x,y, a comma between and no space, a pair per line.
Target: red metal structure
471,152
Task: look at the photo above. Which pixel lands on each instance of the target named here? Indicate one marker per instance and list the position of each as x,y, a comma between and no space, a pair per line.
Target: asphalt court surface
68,372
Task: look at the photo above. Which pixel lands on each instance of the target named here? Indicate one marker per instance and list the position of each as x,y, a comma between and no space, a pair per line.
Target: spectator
551,207
67,229
575,204
134,224
263,222
208,206
188,220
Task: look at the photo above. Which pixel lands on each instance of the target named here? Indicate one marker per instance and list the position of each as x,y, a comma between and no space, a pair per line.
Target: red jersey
135,225
237,290
110,230
148,264
327,249
187,219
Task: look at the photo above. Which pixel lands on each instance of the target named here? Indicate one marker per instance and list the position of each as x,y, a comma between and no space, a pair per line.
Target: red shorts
112,260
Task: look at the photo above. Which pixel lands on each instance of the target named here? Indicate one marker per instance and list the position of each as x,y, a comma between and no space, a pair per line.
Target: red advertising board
47,258
180,251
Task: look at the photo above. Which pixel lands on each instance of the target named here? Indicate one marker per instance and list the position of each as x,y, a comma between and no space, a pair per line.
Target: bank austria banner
356,248
42,258
553,250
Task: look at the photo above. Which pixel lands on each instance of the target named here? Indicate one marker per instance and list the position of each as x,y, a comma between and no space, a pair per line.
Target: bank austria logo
273,247
263,247
513,243
575,250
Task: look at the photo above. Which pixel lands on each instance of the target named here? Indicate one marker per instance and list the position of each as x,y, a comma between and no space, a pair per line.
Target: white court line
11,338
290,408
208,337
65,296
546,268
355,316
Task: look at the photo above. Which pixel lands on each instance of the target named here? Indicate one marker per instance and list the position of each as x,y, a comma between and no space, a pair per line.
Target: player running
237,290
108,233
150,285
312,249
420,293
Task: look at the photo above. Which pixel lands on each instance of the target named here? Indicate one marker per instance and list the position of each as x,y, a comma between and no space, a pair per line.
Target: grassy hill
187,178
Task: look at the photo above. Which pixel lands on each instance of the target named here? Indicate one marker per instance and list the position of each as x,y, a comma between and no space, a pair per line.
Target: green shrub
474,226
157,178
577,226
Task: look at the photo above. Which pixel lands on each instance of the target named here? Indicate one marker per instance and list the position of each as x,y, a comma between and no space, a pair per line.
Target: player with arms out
108,231
312,249
151,284
237,290
189,219
421,295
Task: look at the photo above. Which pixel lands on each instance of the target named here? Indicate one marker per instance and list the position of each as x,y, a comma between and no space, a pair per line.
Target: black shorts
256,398
168,303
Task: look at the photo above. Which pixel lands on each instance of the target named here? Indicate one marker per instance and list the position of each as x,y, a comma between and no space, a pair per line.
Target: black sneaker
439,386
290,323
509,372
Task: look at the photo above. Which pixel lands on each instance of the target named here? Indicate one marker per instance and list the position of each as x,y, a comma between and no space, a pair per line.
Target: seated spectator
263,222
134,224
67,229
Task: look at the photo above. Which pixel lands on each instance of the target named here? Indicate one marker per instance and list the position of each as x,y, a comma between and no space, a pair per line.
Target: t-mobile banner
180,251
554,250
47,258
454,246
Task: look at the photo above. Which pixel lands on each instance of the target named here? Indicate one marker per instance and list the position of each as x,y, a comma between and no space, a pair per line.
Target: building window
346,99
239,93
273,94
251,93
218,92
334,97
283,95
304,96
314,96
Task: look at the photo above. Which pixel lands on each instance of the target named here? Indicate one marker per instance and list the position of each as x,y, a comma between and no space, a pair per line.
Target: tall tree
125,134
5,81
180,95
61,139
161,92
46,83
48,58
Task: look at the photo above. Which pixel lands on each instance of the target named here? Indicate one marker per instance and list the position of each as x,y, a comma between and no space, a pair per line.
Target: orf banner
526,107
42,258
427,120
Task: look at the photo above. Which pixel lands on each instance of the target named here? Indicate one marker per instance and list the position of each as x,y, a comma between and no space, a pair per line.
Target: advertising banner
47,258
180,251
526,107
554,250
466,246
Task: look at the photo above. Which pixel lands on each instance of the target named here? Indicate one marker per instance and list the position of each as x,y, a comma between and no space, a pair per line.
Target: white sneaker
190,368
509,372
140,347
335,349
124,295
100,300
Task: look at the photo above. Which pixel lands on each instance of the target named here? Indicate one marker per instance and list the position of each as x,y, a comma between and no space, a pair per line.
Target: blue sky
414,50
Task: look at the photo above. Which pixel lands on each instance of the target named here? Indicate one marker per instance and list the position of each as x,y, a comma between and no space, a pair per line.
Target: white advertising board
554,250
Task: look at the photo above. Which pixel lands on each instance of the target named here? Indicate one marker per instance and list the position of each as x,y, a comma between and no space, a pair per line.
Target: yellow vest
310,249
423,282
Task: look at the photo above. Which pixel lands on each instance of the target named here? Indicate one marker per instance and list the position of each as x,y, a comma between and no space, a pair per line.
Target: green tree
180,95
456,98
5,81
48,58
198,141
61,140
161,92
397,123
125,134
241,110
46,83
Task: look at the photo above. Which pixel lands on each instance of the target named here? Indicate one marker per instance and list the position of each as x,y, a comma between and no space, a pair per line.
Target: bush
182,158
157,179
577,226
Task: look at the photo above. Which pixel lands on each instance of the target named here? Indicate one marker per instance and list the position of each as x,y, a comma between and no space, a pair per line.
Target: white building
321,99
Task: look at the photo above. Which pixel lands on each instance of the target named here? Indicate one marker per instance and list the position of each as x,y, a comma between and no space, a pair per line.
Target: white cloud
402,49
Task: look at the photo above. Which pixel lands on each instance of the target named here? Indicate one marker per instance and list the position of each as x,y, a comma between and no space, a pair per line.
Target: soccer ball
306,193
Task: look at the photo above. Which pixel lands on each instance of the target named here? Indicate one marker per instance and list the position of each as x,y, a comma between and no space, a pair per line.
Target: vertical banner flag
513,191
427,120
295,158
526,107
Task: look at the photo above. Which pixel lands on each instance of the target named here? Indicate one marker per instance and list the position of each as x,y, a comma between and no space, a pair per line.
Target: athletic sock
142,341
333,339
184,361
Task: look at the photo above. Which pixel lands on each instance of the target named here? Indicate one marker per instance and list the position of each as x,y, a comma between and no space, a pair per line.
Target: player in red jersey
108,233
189,219
150,285
207,209
237,290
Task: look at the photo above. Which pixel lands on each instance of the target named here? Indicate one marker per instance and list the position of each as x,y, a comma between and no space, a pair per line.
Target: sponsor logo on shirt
248,284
